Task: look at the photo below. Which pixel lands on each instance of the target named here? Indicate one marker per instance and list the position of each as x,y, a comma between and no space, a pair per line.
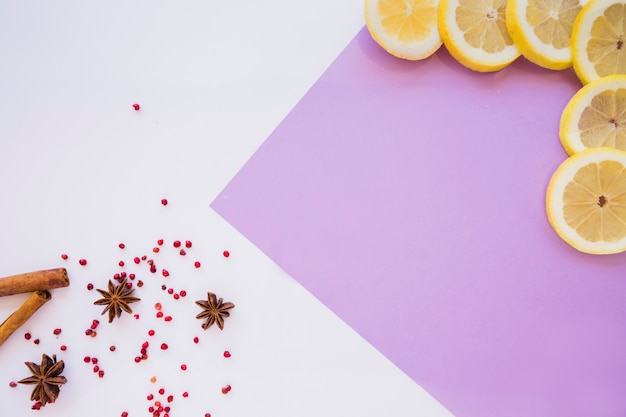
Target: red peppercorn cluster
152,270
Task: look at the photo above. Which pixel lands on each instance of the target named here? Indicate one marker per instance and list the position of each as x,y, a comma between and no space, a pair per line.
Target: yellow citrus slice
586,201
542,30
475,33
404,28
596,116
598,38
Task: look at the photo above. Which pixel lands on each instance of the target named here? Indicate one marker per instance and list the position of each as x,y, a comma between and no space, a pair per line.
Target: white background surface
81,171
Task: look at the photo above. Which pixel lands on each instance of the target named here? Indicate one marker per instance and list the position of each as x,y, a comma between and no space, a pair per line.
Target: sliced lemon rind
569,132
554,200
529,45
470,57
414,51
582,28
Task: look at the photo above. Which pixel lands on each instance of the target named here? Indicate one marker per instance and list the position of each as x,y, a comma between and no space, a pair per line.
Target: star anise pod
47,378
116,299
213,311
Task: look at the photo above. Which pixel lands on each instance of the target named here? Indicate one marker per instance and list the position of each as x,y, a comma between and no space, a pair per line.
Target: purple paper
409,197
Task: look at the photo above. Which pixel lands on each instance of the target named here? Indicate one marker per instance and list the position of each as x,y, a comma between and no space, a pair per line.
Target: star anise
213,311
47,378
116,299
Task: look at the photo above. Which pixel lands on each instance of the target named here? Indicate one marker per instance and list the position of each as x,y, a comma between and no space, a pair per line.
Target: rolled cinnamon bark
46,279
23,313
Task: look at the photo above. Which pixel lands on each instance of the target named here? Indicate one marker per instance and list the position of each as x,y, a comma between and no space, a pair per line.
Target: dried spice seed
164,201
56,331
150,332
165,273
153,268
124,414
116,300
183,293
94,360
170,398
36,341
150,397
160,242
96,368
226,254
226,389
145,345
188,244
27,336
136,107
176,243
87,359
100,373
196,340
153,379
112,348
155,249
161,391
176,296
167,318
13,384
121,263
83,262
93,334
90,286
159,314
197,264
47,379
157,306
137,260
164,346
183,367
227,354
214,311
137,359
121,246
170,290
185,394
140,283
207,414
88,332
63,348
182,252
64,256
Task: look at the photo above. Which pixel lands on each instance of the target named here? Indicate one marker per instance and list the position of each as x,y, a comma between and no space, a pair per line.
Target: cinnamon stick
46,279
23,313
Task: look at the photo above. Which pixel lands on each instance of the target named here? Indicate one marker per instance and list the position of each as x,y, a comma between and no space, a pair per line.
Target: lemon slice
596,116
404,28
598,40
586,201
475,34
542,30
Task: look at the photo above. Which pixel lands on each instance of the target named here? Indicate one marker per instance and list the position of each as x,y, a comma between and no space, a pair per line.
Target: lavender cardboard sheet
409,198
